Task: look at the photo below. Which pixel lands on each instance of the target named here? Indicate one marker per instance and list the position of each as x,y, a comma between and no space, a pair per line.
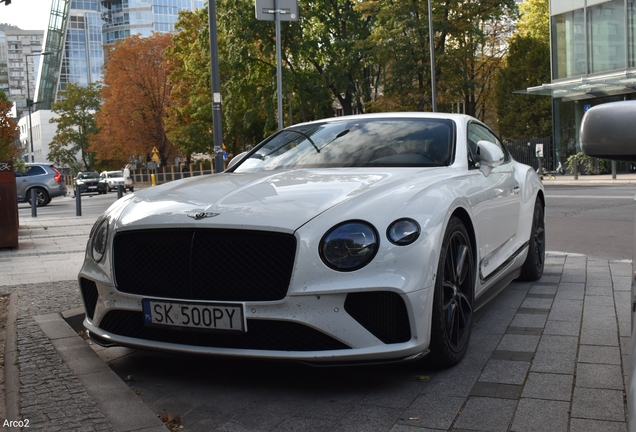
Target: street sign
539,150
152,165
288,10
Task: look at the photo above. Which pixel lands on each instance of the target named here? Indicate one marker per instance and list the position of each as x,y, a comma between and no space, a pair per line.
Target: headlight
349,246
403,232
98,241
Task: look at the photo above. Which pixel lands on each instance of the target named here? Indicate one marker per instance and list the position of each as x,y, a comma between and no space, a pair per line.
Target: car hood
274,201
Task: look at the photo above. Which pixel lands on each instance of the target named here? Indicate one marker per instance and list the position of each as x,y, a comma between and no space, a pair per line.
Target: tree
528,65
135,96
468,42
189,114
535,20
75,118
9,131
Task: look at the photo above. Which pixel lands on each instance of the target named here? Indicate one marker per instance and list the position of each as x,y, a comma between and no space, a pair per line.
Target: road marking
590,196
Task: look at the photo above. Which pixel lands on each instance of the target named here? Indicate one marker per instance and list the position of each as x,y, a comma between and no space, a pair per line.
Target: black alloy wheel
453,298
532,268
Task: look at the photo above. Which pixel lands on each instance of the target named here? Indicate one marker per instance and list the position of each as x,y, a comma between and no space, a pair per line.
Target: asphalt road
597,221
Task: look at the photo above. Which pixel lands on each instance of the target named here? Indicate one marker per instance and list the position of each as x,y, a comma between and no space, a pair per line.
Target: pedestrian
127,179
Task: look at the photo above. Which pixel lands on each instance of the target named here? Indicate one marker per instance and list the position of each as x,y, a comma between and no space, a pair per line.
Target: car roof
395,115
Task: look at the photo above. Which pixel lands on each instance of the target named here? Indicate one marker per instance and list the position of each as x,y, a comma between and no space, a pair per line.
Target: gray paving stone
585,425
527,320
621,283
554,362
298,424
505,372
495,390
365,418
534,415
549,278
598,404
558,344
573,276
511,342
537,303
566,310
599,354
394,394
570,291
433,411
486,414
548,386
599,376
562,328
599,336
599,290
496,323
543,289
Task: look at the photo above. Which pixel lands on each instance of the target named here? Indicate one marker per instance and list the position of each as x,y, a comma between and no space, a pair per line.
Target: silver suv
45,178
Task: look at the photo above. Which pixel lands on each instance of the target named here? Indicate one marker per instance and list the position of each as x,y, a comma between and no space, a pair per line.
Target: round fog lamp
403,232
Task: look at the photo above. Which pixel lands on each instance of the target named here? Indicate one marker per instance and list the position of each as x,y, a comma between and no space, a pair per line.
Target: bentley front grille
204,264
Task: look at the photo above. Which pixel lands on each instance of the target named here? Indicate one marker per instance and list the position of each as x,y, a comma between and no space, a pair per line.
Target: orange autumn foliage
136,94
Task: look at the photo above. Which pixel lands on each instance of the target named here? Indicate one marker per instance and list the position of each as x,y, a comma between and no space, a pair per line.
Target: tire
41,197
453,298
532,268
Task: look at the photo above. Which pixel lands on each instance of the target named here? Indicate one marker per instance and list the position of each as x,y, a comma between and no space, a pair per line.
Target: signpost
277,10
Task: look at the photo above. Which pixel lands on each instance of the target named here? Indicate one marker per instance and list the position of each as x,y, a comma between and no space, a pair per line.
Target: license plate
210,316
92,187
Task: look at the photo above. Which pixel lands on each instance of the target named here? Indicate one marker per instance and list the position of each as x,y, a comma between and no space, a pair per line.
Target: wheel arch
463,216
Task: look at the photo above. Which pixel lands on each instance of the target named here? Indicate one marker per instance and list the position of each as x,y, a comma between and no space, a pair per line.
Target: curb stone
119,404
11,372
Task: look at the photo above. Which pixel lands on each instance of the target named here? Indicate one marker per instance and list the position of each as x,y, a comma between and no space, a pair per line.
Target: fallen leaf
423,378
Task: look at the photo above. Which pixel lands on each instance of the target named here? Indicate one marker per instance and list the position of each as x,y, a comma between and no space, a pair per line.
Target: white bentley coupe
351,239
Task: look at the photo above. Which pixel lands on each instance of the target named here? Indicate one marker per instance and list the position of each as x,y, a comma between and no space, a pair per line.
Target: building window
606,36
568,44
631,30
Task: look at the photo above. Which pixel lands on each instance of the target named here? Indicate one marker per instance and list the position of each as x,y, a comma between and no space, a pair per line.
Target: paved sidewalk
545,356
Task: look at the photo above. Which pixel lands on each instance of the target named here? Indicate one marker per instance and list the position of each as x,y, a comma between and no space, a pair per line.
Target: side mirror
236,159
608,131
489,155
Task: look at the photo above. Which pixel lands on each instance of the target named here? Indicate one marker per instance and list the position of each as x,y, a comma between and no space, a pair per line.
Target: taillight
58,175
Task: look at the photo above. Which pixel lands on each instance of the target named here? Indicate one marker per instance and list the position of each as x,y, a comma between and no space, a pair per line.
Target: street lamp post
29,101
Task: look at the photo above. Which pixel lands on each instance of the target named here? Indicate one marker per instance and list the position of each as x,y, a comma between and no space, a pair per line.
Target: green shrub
585,165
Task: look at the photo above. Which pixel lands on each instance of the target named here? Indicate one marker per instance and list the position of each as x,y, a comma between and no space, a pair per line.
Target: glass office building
80,29
593,62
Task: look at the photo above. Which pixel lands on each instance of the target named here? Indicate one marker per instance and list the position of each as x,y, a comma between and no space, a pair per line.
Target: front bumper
378,325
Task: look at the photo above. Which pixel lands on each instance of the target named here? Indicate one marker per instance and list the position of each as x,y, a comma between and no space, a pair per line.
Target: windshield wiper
306,136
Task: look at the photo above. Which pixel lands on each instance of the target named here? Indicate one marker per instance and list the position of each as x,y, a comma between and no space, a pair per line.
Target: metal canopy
588,87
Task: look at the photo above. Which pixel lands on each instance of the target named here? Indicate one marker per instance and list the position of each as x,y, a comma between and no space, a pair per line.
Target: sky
26,14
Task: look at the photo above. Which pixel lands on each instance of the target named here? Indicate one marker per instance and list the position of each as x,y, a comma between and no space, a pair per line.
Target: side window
35,170
476,133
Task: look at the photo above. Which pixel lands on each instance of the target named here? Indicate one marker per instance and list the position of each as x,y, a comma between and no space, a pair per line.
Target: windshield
87,175
113,174
374,142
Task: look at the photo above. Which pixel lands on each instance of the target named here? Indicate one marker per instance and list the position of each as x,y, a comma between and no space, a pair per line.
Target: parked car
113,179
47,181
352,239
88,182
607,132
